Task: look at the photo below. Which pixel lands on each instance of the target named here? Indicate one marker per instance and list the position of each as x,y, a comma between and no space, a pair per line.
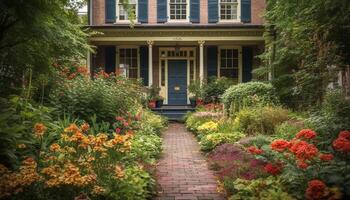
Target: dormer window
178,10
122,9
229,10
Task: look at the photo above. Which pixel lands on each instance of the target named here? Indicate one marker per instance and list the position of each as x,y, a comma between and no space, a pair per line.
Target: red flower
254,150
345,134
326,157
118,130
302,164
119,118
280,145
306,134
303,150
316,190
342,143
272,169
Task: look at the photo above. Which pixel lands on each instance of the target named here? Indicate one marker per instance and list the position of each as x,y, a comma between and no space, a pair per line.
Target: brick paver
182,172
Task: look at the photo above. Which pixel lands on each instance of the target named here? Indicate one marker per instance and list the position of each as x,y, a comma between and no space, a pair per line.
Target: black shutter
213,11
144,64
246,11
247,64
212,61
162,11
110,11
143,11
110,58
194,11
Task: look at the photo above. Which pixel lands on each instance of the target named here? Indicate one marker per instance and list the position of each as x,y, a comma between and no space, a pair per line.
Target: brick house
175,42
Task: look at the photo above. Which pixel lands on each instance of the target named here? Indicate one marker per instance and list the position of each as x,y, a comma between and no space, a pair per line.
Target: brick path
182,172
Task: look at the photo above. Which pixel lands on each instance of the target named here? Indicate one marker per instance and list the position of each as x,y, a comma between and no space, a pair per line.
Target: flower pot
159,103
152,104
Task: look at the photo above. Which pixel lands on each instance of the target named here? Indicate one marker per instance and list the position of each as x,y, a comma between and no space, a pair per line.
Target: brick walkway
182,172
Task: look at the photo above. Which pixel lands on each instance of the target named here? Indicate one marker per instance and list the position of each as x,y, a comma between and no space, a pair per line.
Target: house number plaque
176,88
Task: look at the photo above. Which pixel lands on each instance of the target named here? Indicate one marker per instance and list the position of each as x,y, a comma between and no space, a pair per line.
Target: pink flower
119,118
126,124
118,130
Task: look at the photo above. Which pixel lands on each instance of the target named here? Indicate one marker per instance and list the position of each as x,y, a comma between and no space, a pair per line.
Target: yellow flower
98,190
21,146
39,129
55,147
208,127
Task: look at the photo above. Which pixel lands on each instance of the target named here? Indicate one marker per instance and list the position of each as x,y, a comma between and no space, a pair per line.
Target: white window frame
137,53
240,71
126,20
179,20
231,20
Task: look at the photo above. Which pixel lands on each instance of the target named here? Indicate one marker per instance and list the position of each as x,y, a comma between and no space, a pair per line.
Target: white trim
240,71
175,39
230,20
126,21
128,47
188,58
179,20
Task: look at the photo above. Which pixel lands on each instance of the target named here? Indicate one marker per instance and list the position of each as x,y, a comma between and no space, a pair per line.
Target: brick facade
98,12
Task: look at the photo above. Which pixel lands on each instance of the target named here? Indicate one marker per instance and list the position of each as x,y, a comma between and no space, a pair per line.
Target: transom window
178,9
229,10
229,63
128,58
123,9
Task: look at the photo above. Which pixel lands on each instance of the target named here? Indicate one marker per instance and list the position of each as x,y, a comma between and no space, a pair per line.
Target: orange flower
280,145
327,157
72,128
39,129
118,172
306,134
316,190
85,127
55,147
303,150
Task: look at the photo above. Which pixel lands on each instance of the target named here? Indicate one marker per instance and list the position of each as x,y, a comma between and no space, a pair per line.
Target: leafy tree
307,42
34,34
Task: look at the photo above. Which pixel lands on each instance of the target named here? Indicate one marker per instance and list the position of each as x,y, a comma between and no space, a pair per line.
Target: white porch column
150,63
88,62
201,61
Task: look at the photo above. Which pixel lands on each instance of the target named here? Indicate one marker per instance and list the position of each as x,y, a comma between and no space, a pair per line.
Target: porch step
173,112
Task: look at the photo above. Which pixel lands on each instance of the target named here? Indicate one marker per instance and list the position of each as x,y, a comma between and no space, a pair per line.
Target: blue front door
177,82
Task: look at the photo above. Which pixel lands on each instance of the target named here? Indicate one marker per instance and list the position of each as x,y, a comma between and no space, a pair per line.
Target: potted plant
159,101
196,90
153,94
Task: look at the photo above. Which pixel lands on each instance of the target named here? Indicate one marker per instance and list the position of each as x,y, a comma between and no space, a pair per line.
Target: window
229,63
128,57
178,9
229,10
192,71
122,10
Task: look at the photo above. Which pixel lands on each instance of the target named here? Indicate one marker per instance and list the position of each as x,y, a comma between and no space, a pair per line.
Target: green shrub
258,141
210,141
262,188
287,130
106,98
215,88
248,94
194,120
260,120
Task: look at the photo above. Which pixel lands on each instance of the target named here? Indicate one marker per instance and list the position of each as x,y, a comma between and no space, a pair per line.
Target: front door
177,82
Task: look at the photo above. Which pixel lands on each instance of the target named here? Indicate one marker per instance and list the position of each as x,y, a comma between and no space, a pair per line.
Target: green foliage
105,98
260,120
210,141
248,94
34,35
303,41
215,88
195,120
270,188
287,130
332,117
195,89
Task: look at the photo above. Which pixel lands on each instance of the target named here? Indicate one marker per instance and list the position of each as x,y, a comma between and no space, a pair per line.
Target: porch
174,59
